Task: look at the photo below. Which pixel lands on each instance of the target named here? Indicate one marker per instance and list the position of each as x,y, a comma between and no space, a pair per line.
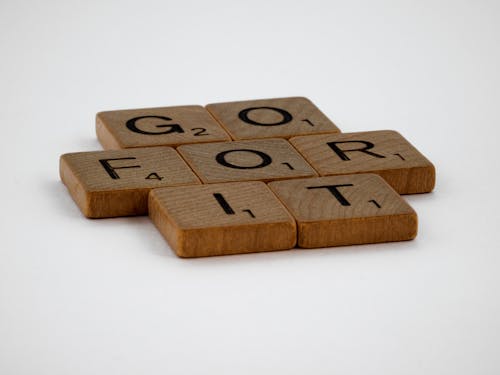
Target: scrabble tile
265,159
219,219
346,210
166,126
384,152
117,182
271,118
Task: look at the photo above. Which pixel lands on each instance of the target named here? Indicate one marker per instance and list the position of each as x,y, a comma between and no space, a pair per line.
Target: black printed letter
221,159
223,203
287,117
111,170
173,128
343,156
335,192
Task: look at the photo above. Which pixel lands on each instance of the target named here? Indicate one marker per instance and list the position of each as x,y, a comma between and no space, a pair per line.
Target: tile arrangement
249,176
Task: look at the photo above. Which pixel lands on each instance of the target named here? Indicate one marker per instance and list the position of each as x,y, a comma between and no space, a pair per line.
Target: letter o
221,159
287,117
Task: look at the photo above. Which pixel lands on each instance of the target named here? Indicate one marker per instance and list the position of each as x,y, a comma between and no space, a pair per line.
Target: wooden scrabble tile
117,182
271,118
384,152
346,210
265,159
165,126
221,219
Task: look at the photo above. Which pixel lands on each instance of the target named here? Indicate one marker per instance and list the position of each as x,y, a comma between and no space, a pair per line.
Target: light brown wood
385,152
221,219
271,118
266,160
165,126
117,182
365,210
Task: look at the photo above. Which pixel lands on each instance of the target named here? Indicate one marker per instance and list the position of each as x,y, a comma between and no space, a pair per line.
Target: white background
81,296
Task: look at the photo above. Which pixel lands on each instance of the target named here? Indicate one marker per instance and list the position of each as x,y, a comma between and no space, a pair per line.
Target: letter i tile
218,219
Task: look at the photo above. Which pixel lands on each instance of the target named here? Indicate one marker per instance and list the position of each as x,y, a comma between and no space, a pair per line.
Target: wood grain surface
117,182
385,152
271,118
222,219
346,210
165,126
266,160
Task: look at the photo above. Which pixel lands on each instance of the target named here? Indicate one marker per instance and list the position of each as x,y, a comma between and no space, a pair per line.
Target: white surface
82,296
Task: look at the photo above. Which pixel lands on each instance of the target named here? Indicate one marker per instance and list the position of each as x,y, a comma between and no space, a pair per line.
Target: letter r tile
383,152
219,219
346,210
